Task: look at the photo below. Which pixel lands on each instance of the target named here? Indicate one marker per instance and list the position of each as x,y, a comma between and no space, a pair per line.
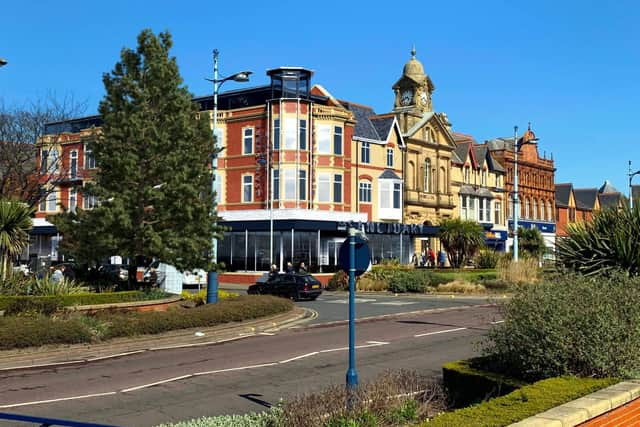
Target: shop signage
544,227
383,227
497,235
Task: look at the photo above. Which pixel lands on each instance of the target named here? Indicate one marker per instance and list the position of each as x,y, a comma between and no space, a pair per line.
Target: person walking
432,258
302,269
290,267
57,276
442,258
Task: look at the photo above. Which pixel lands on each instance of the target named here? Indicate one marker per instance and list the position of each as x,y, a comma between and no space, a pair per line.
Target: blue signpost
354,257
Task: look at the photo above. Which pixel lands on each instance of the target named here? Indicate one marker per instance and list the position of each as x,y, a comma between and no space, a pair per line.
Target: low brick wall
625,415
249,278
153,305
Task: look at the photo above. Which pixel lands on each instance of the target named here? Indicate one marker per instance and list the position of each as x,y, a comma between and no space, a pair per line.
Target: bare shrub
462,287
381,398
524,272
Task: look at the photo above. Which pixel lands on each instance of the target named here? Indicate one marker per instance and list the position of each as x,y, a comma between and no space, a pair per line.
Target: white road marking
313,353
168,380
369,344
440,332
241,368
200,344
38,402
43,365
111,356
266,333
395,303
346,301
497,322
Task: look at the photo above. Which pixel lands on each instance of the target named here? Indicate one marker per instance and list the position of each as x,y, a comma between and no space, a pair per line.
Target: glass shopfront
247,247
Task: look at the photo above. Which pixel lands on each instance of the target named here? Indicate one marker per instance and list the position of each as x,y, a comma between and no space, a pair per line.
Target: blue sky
570,67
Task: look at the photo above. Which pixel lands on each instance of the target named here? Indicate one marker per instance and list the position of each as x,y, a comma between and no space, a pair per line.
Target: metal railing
47,422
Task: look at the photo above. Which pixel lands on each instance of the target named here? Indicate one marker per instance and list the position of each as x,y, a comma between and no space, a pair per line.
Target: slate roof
459,137
501,143
607,188
461,151
494,164
388,174
364,127
585,198
481,154
563,193
609,200
382,126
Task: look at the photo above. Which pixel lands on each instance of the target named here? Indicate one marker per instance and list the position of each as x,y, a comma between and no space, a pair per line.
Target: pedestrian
302,269
68,273
290,267
414,259
274,271
432,258
57,276
423,259
442,258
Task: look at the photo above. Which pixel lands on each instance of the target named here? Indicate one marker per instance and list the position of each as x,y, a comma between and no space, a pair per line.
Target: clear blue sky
572,68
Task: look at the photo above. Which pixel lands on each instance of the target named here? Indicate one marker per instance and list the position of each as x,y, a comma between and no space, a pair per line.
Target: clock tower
413,90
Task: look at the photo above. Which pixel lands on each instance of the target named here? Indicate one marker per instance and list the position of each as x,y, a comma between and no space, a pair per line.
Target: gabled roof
586,198
480,152
607,188
462,152
383,125
388,174
563,194
364,128
459,137
420,124
609,200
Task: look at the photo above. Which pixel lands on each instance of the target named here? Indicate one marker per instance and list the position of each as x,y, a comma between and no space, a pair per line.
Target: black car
288,285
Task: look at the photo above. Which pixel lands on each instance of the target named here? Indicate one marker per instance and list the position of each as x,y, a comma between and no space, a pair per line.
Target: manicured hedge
522,403
24,331
465,384
75,299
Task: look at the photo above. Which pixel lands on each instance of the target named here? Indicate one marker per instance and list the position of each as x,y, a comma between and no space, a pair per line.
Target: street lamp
243,76
631,175
516,148
3,62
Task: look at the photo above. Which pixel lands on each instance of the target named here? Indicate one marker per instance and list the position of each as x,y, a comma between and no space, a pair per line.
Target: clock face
423,96
406,97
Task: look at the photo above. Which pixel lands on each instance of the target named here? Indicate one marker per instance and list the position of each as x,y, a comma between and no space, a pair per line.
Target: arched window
535,209
427,176
411,178
549,212
442,180
526,208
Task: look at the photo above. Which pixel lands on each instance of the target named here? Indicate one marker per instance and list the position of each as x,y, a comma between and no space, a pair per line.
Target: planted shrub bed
27,331
521,403
13,304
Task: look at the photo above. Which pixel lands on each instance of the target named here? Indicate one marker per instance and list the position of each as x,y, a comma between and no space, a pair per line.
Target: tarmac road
240,376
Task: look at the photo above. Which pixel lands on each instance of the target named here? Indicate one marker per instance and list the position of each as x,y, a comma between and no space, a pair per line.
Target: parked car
288,285
119,272
196,277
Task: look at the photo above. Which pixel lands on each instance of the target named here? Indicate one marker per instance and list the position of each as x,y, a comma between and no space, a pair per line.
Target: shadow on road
254,398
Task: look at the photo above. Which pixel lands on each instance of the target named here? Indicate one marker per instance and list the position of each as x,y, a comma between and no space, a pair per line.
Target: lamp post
516,206
3,62
243,76
631,175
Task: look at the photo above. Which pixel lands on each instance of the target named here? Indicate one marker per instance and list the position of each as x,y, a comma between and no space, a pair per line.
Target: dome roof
413,68
529,135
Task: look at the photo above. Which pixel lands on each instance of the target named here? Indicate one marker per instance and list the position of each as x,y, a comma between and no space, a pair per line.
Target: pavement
55,355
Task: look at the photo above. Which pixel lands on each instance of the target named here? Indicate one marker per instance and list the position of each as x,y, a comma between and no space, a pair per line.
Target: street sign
363,256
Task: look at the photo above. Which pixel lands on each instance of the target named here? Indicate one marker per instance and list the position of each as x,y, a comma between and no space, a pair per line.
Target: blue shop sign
495,235
544,227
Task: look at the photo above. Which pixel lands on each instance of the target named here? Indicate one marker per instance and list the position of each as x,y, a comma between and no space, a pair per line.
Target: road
240,376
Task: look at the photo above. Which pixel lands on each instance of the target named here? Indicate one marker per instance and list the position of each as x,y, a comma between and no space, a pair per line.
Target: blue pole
352,375
212,276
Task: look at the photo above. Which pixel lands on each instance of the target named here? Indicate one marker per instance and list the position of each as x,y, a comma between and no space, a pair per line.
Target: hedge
466,384
522,403
25,331
89,298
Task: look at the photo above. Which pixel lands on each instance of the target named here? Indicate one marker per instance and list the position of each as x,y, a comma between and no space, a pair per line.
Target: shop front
301,235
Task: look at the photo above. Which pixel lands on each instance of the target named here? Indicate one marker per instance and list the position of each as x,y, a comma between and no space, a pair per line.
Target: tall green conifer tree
153,154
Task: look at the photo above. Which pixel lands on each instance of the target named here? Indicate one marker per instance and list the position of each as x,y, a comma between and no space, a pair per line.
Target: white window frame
248,135
427,176
52,160
497,212
89,158
389,157
275,181
302,184
484,210
73,164
483,178
535,209
324,138
464,212
466,174
324,187
303,134
388,191
365,153
52,202
218,187
549,212
364,192
338,140
247,184
290,133
73,200
338,188
290,183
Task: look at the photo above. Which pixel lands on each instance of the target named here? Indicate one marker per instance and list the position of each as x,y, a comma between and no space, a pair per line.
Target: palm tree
15,223
461,239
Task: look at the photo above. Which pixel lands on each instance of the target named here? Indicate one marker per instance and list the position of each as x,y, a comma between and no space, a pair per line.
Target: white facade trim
287,214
